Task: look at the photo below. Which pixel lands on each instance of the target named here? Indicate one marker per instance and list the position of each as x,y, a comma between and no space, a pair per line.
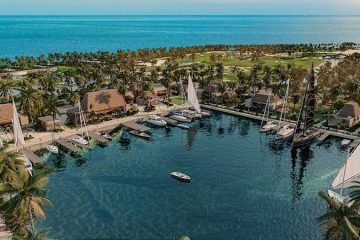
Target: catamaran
81,139
270,125
287,130
347,176
308,133
19,139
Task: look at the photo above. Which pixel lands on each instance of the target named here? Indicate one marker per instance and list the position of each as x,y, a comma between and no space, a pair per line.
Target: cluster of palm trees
22,197
341,221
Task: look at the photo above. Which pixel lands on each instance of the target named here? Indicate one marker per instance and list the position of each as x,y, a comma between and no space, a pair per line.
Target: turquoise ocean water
34,35
244,186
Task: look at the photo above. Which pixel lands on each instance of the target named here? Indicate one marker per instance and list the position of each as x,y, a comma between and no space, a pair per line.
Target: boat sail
81,139
192,98
287,130
19,139
308,133
270,125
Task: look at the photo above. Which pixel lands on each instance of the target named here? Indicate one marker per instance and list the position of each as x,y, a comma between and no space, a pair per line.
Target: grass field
65,68
177,100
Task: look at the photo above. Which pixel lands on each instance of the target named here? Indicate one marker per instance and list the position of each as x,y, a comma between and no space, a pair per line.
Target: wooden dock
31,156
323,136
98,137
355,143
67,145
135,126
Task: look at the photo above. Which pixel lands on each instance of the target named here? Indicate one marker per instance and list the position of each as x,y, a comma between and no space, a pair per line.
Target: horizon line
200,14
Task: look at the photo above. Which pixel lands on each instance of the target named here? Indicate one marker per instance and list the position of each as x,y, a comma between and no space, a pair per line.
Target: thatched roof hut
146,97
6,115
47,123
229,96
103,101
129,96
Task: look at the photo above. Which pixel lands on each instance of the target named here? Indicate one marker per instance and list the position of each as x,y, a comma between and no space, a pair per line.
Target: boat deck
135,126
67,145
31,156
98,137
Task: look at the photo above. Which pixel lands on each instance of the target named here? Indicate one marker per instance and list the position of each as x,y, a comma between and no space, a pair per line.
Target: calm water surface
34,35
244,186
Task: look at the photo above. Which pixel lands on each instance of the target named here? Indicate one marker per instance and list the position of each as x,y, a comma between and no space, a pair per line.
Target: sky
121,7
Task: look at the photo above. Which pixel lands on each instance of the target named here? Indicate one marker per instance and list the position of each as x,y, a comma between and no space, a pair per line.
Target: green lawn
65,68
177,100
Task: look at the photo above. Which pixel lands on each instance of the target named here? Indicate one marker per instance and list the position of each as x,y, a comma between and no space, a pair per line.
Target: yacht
157,121
271,125
285,132
191,114
52,148
80,140
140,134
183,126
106,135
205,114
345,143
180,118
180,176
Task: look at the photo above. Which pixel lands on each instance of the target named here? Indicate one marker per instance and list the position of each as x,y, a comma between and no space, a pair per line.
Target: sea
35,35
244,185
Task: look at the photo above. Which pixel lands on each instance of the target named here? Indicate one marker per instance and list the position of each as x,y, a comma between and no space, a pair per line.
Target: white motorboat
271,125
157,121
285,132
180,176
206,114
340,198
52,148
140,134
345,143
183,126
27,164
191,114
180,118
80,140
106,135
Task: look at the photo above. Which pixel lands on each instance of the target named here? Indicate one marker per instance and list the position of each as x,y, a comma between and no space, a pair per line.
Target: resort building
348,116
147,97
160,90
49,124
103,101
260,99
6,115
229,96
213,93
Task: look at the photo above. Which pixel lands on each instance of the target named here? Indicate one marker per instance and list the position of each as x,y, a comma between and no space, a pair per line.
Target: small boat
191,114
183,126
52,148
80,140
206,114
106,135
345,143
27,164
340,198
271,125
180,177
285,132
140,134
157,121
180,118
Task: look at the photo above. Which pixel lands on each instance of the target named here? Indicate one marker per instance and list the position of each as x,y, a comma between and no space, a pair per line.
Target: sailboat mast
283,108
310,101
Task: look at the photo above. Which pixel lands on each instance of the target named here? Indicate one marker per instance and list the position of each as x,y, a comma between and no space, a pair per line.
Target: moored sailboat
269,125
287,130
81,139
193,100
309,132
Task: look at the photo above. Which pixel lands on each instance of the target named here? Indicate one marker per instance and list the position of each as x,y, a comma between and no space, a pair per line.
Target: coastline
41,139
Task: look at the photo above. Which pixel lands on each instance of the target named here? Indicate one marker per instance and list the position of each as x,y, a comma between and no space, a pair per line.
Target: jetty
355,143
323,136
67,145
135,126
31,156
98,137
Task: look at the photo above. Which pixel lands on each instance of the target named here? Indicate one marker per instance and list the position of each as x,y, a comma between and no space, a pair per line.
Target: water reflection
191,135
300,158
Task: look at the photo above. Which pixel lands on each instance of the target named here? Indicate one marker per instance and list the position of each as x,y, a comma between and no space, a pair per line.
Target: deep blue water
34,35
244,186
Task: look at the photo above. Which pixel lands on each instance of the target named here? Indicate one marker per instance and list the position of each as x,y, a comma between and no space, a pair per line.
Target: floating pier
135,126
323,136
67,145
98,137
31,156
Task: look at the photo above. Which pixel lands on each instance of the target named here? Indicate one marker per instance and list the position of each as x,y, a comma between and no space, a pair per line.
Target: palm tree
28,196
30,101
50,106
40,234
7,86
340,222
9,165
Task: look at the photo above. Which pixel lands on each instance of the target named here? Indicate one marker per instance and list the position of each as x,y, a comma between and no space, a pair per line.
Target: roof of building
6,112
147,95
48,119
102,101
262,97
229,94
350,109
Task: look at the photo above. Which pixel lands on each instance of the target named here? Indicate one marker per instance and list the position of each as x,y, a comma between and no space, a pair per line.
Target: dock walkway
98,137
323,136
135,126
67,145
31,156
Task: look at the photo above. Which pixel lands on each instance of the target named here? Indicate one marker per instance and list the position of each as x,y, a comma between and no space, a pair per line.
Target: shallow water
35,35
244,186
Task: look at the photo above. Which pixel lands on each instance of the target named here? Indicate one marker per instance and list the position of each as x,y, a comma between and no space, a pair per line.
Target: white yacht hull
52,148
80,140
180,118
